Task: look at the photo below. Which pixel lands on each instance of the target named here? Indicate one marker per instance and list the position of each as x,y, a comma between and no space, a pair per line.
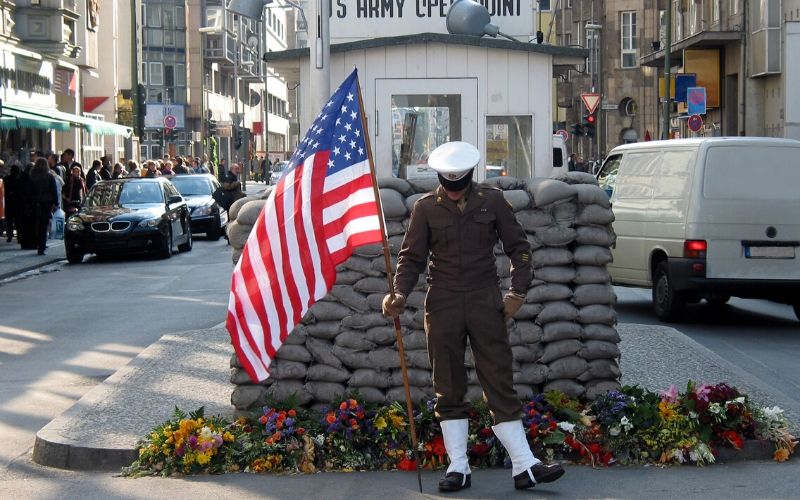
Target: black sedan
129,216
207,216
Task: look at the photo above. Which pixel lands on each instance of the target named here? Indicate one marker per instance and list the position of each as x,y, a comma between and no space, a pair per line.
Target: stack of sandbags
242,215
562,338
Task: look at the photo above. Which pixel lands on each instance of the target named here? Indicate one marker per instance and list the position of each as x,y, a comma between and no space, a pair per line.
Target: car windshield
278,167
106,194
190,186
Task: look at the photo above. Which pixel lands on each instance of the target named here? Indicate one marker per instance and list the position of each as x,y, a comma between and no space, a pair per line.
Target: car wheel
668,304
717,300
74,256
215,231
186,247
166,246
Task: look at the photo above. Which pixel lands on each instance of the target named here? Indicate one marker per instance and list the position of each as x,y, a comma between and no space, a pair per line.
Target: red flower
330,418
353,404
292,413
300,431
343,406
353,423
437,446
553,425
407,464
480,449
534,430
734,439
605,458
263,419
595,448
485,433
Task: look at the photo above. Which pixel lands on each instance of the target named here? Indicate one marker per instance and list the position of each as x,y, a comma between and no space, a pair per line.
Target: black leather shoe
541,474
454,481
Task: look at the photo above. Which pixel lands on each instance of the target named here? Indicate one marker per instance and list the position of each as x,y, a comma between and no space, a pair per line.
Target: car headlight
150,222
75,224
199,211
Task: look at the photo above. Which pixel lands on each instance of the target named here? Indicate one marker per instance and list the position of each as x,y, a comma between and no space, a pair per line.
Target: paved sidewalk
15,261
191,369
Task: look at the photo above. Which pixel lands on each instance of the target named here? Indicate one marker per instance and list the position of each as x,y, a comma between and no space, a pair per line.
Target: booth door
414,116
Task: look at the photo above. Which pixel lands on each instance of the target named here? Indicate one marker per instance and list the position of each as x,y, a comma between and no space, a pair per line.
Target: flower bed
630,426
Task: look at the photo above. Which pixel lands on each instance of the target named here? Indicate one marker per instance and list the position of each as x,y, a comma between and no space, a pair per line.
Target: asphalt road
63,332
761,337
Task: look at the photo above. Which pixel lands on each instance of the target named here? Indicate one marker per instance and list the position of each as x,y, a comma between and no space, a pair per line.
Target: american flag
323,206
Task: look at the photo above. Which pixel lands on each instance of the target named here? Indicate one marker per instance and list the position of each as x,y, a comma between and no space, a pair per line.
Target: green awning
90,124
8,123
24,119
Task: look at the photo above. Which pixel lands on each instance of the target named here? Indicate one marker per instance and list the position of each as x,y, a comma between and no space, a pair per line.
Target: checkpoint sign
170,121
695,123
590,101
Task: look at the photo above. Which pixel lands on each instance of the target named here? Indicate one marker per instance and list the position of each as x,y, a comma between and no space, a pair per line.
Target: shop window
509,146
420,123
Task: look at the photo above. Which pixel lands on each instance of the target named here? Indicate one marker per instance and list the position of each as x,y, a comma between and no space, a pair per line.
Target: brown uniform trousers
464,300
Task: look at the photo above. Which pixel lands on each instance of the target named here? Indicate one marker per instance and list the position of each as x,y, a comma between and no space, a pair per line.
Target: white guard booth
425,89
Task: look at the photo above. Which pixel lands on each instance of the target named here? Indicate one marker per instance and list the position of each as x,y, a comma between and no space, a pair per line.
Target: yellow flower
187,427
228,437
781,455
380,423
154,436
203,458
397,420
667,410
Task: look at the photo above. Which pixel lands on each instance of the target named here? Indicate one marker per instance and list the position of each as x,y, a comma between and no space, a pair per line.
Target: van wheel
669,305
717,299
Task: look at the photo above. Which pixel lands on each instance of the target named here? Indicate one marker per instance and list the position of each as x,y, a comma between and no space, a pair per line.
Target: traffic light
212,127
170,134
141,108
589,122
238,139
577,130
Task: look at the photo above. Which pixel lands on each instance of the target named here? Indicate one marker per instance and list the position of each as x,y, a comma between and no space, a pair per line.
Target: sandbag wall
563,338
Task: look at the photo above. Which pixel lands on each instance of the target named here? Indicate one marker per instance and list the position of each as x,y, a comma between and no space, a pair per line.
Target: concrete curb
33,267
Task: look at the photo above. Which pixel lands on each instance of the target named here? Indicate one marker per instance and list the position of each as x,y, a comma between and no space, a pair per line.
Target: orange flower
263,419
331,418
292,413
781,455
343,406
353,404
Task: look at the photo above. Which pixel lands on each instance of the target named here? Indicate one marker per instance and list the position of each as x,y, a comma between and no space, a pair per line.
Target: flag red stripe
306,262
253,291
337,226
355,240
343,192
289,284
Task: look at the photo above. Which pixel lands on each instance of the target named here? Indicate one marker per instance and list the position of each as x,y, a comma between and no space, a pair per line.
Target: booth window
509,142
421,123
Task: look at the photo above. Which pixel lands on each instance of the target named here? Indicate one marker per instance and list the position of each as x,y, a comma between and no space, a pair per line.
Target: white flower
677,454
566,426
715,408
614,431
739,400
693,414
774,413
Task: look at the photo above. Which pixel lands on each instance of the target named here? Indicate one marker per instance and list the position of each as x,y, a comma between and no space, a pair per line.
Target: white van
706,219
560,156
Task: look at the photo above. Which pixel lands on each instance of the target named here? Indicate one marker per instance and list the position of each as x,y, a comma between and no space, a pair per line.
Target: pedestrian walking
74,191
43,197
133,169
572,163
118,172
454,230
93,176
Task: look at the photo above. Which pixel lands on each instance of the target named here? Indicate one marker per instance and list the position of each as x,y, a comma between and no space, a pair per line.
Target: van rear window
752,173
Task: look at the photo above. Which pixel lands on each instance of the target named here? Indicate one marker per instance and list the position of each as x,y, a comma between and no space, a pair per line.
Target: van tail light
503,173
695,249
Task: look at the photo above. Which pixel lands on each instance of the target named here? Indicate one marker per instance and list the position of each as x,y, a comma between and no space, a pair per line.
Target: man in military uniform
454,229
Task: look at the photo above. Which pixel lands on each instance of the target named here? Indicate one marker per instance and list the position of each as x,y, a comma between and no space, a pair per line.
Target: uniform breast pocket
481,229
442,231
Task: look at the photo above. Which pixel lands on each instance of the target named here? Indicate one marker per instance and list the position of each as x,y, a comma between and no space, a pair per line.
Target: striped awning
42,118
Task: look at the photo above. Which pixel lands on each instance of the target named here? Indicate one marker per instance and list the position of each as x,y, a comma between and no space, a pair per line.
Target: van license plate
769,252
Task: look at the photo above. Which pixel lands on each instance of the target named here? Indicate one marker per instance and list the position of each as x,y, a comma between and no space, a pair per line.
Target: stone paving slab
191,369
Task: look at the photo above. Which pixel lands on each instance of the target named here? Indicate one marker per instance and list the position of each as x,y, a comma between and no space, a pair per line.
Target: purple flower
289,422
179,451
217,441
192,442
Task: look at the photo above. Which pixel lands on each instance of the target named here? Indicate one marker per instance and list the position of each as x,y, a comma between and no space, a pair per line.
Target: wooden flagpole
388,261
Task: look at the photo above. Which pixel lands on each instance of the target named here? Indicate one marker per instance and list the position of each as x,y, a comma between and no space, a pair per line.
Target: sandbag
375,301
595,235
297,336
597,388
474,393
565,213
351,358
519,199
349,297
417,377
567,386
586,275
586,295
347,277
327,330
560,349
237,234
599,349
524,391
367,377
561,330
529,332
533,241
545,257
592,255
400,185
361,265
399,394
556,235
369,251
416,300
330,311
284,390
597,314
532,219
354,340
241,377
532,373
236,253
325,392
555,274
369,394
472,377
568,367
381,335
364,321
394,204
393,228
327,373
601,332
233,211
385,358
600,369
503,264
372,285
548,293
424,184
528,311
248,214
418,359
379,264
560,310
245,396
548,191
321,352
592,195
293,353
411,201
505,182
525,354
415,340
595,214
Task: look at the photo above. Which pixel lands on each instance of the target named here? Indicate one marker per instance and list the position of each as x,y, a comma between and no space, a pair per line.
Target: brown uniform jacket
461,245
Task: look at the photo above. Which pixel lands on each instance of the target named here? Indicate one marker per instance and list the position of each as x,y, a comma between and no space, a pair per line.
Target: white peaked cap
453,160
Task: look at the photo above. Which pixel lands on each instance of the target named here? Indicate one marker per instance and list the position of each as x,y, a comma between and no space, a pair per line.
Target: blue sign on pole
696,99
682,82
